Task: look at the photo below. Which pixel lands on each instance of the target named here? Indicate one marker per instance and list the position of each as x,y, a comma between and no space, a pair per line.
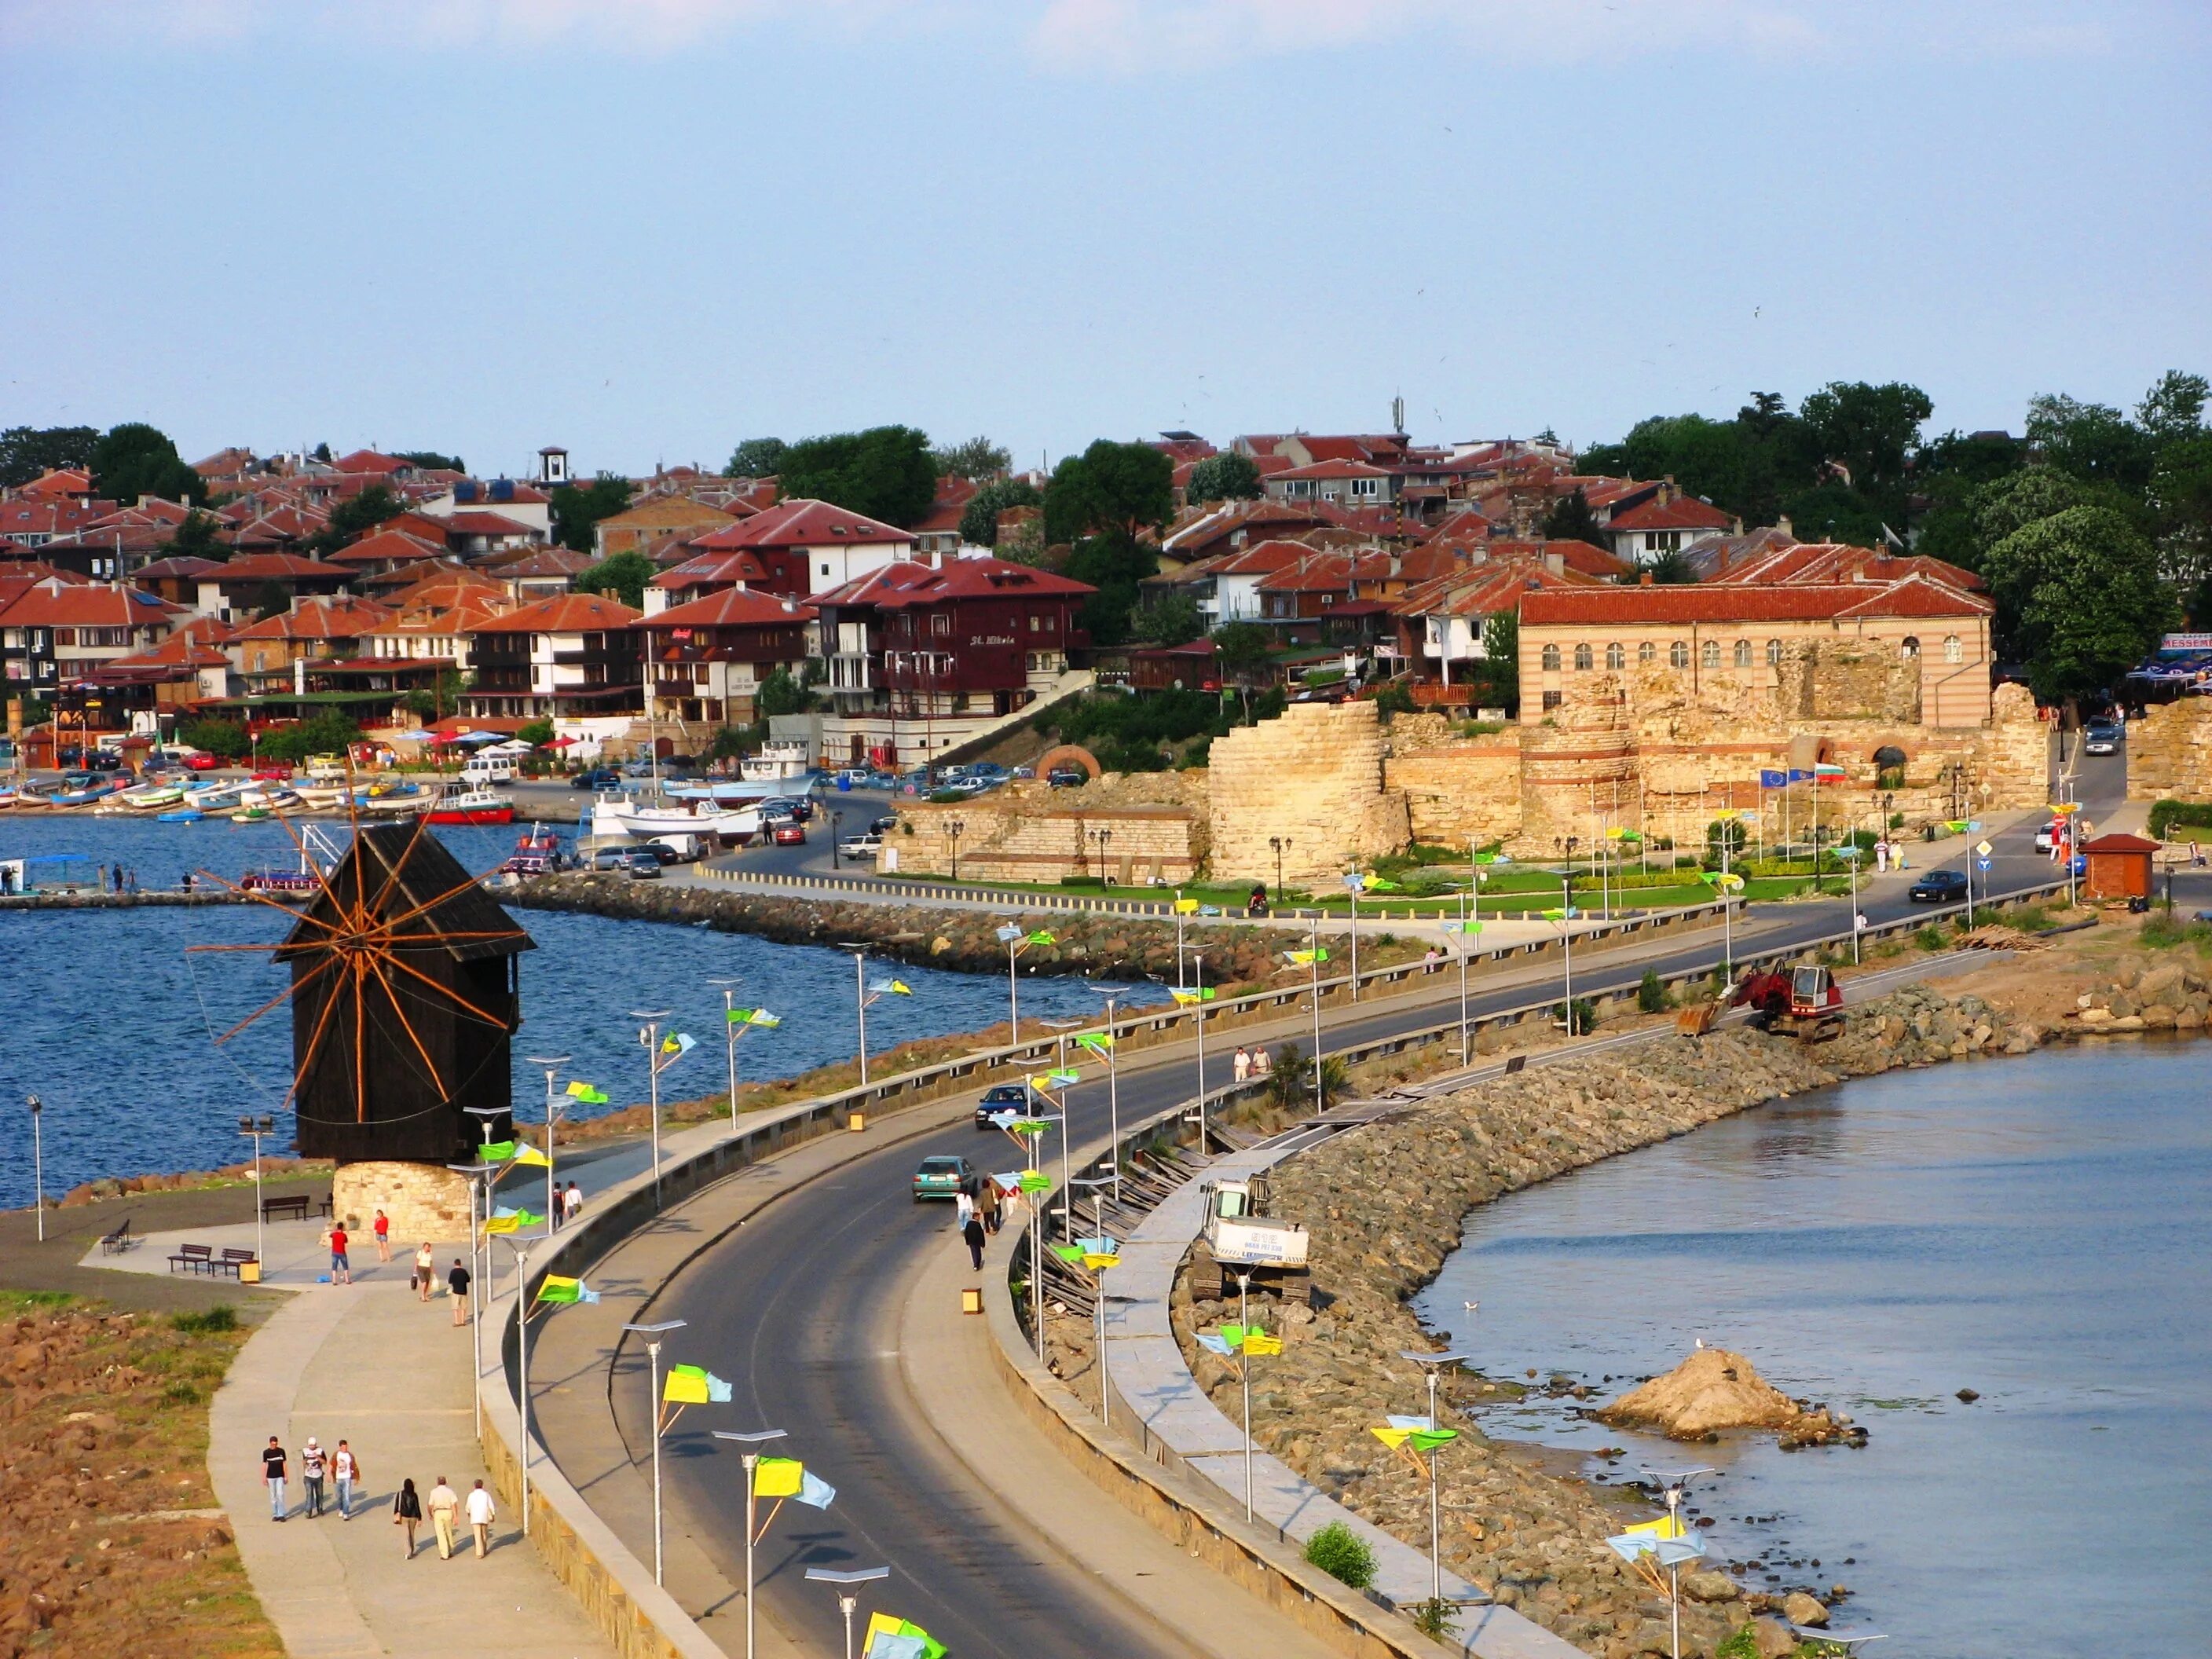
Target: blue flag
1772,778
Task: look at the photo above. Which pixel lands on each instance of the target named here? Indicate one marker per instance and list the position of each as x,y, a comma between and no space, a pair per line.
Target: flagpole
1205,1141
730,1041
550,1065
650,1037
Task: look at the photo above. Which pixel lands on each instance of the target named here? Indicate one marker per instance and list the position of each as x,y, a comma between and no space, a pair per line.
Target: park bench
194,1258
118,1241
291,1204
233,1259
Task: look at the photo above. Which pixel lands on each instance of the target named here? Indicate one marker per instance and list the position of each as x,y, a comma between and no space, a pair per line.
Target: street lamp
836,861
1431,1363
1278,842
477,1172
752,1461
550,1065
865,995
953,827
520,1246
847,1602
1113,1088
1671,1488
1017,939
1354,884
1102,838
648,1037
1248,1343
653,1333
252,1128
38,1166
1095,1255
1061,1028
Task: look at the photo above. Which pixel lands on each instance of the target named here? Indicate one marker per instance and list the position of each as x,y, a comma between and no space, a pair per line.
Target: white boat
778,762
216,796
394,805
618,815
149,796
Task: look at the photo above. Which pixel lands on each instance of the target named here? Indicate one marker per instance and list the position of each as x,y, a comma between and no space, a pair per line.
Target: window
1662,541
1908,646
1551,660
1647,654
1035,621
1774,653
1953,651
1711,654
1743,654
826,569
1367,486
1552,700
1678,654
1615,657
1582,658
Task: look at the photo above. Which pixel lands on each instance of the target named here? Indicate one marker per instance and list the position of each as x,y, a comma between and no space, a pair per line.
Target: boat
283,883
392,800
181,814
618,815
538,852
778,762
455,805
149,796
216,796
89,793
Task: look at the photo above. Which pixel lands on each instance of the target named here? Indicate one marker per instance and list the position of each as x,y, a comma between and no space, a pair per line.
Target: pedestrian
188,881
311,1465
341,1264
426,1270
481,1515
407,1511
445,1505
986,1204
1240,1067
381,1227
964,1207
346,1468
457,1282
1263,1063
272,1471
573,1203
972,1231
1881,857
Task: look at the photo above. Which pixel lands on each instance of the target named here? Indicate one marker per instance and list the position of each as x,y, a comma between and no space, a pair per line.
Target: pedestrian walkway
369,1364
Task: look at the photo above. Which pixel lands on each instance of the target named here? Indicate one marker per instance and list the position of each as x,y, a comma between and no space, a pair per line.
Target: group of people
568,1204
447,1509
316,1467
1249,1063
978,1214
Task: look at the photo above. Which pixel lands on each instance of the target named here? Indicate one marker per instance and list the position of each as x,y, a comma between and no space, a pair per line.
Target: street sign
1985,850
1984,863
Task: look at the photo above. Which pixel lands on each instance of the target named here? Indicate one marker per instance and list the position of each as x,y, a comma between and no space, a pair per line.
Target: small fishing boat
619,815
89,793
146,798
538,852
181,814
456,805
216,796
282,883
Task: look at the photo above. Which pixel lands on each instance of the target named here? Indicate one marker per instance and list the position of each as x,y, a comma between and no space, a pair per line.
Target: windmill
404,998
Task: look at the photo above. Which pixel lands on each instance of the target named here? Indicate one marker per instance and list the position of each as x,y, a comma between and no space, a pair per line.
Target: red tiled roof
541,562
390,545
1345,468
802,523
177,564
733,607
565,613
953,494
1707,603
57,603
23,515
321,619
475,521
58,481
910,582
708,568
1683,512
368,460
277,567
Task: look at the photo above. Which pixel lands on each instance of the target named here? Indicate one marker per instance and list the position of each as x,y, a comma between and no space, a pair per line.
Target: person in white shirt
481,1515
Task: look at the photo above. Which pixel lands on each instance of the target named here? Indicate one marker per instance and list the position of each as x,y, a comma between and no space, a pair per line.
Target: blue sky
646,230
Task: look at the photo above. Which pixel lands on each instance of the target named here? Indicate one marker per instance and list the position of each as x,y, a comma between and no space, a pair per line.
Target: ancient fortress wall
1312,780
1134,827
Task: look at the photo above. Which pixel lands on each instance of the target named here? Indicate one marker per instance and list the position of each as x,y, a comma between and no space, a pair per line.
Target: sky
645,229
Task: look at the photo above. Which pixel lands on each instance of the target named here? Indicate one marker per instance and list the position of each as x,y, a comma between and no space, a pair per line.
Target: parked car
612,857
273,774
661,852
942,1177
989,769
1026,771
1939,887
861,848
1001,1097
777,810
643,866
1067,777
200,761
2103,738
883,825
790,833
599,777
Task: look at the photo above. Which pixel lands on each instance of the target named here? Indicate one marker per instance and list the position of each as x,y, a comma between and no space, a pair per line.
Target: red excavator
1804,1002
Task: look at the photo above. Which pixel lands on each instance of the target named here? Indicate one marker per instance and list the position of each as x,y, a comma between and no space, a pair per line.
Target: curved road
809,1308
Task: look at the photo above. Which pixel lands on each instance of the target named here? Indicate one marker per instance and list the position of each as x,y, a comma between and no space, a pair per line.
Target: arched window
1678,654
1743,654
1582,657
1615,657
1953,651
1711,653
1774,653
1551,660
1646,654
1908,646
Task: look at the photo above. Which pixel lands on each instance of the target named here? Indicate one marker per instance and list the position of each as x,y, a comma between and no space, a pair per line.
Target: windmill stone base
421,1200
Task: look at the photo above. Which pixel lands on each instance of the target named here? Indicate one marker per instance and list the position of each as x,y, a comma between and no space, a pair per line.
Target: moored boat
458,806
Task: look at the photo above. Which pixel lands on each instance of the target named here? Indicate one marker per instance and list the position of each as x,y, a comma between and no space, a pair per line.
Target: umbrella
477,737
559,743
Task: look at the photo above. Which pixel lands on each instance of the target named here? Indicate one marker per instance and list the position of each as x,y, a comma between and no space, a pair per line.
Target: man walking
574,1202
272,1471
341,1263
481,1515
347,1468
457,1282
1240,1066
445,1505
311,1464
972,1231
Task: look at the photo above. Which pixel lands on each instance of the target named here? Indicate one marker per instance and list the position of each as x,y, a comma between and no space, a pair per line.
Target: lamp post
550,1065
1244,1377
252,1128
847,1582
1113,1092
1097,1185
953,827
1431,1363
1321,1102
521,1247
648,1037
1061,1028
1278,842
1567,941
836,860
477,1173
863,995
1016,939
1102,838
752,1461
1354,883
38,1167
653,1333
1198,1011
1672,1487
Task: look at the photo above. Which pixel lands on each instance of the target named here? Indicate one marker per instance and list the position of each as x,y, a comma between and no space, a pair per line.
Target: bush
1931,938
223,1317
1585,1019
2164,814
224,738
1651,997
1343,1555
325,733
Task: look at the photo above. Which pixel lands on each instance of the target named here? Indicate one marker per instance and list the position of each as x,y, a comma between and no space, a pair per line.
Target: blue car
1940,887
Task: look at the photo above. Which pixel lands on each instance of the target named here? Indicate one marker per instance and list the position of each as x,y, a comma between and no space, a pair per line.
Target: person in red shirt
382,1228
341,1267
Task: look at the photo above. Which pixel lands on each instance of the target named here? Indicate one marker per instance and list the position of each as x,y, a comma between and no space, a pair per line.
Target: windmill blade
369,908
407,1025
315,1044
432,904
322,880
258,897
292,989
446,991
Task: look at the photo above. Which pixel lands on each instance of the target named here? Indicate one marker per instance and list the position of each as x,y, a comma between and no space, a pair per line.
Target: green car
941,1177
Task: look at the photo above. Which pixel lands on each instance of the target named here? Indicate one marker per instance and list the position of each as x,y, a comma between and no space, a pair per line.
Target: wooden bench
291,1204
115,1243
233,1259
194,1258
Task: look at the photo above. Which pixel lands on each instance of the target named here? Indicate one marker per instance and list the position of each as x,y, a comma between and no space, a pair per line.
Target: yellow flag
778,1477
529,1157
1186,906
1259,1342
1667,1526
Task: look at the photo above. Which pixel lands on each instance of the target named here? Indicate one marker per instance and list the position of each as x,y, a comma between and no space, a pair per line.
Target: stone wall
1468,789
1136,827
1313,780
423,1201
2170,752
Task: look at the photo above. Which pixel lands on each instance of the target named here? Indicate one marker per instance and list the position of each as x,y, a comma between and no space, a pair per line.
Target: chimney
1781,524
1644,580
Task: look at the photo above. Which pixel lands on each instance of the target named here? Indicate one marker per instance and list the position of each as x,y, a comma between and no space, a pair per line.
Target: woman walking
426,1270
986,1204
407,1511
382,1228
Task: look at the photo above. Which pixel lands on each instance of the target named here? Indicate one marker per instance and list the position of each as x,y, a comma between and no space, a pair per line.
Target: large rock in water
1713,1389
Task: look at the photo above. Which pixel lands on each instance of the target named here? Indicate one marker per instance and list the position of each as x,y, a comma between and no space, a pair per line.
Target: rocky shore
1386,1204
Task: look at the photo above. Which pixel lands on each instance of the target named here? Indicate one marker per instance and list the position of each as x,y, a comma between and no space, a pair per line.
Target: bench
195,1258
291,1204
233,1259
115,1243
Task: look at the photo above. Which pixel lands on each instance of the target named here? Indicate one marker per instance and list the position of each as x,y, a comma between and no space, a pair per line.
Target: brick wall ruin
1134,827
1312,778
2170,752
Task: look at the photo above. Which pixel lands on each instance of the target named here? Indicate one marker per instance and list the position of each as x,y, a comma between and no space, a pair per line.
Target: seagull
1701,1342
1470,1306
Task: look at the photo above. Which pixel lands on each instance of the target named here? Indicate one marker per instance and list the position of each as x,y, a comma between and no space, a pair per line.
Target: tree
577,508
2180,501
430,460
1174,620
351,518
885,472
1113,563
623,574
1122,489
324,733
1230,477
196,539
2093,441
271,599
225,737
27,452
136,459
1869,430
979,519
536,733
2084,589
780,694
1246,651
1497,671
2172,411
1671,568
757,458
1836,511
1572,519
977,459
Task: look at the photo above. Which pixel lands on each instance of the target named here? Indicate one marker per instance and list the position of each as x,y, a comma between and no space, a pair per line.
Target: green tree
885,472
272,598
623,574
1572,519
431,703
2088,603
757,458
1172,620
1836,511
977,459
2173,411
1670,568
27,452
1497,671
577,508
2093,441
431,460
136,459
780,694
195,538
1870,430
1116,488
353,516
1246,652
1229,478
2180,501
1113,563
324,733
218,737
536,732
979,519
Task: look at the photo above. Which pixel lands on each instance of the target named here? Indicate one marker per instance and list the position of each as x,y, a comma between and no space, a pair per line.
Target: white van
487,769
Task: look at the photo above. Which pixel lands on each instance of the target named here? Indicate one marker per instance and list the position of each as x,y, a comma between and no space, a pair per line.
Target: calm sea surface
2036,1229
106,1017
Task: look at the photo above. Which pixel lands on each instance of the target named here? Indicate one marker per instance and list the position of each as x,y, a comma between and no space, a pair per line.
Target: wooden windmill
404,1000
